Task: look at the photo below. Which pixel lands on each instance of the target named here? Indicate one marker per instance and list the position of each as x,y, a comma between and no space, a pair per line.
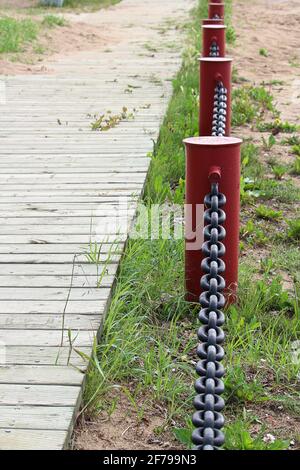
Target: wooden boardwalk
61,186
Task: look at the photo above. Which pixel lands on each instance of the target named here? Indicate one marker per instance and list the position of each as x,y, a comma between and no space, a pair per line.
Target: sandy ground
278,33
122,430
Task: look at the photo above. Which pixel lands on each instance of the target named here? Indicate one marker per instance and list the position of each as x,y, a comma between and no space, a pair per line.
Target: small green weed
265,212
296,166
238,436
249,103
296,150
293,140
277,126
50,21
253,234
108,121
279,171
263,52
230,34
240,389
268,143
294,229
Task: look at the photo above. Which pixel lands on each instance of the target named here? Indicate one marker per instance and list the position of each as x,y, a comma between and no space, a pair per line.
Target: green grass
89,3
294,229
14,34
264,212
52,20
149,337
249,104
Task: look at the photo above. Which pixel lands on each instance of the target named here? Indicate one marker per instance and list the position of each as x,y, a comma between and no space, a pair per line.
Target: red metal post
213,34
212,71
206,157
216,10
213,21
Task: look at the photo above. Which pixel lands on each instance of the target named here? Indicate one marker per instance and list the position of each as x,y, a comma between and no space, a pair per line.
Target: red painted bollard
213,21
213,40
213,72
204,156
216,10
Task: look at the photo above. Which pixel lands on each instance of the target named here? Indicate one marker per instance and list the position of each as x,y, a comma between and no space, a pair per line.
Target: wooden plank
63,239
17,220
19,321
34,306
35,417
57,282
42,355
55,338
109,227
45,258
78,270
44,395
53,293
56,180
63,199
63,248
40,375
24,439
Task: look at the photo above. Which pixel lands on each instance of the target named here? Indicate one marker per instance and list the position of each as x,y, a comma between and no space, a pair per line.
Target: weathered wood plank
34,306
51,258
109,227
29,439
53,293
63,239
38,321
27,337
42,355
45,395
57,282
55,270
35,417
40,375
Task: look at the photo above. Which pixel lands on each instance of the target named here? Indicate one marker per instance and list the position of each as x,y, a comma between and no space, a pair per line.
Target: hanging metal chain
208,420
219,111
214,50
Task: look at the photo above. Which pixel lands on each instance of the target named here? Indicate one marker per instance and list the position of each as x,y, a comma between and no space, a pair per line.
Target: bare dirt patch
272,26
123,430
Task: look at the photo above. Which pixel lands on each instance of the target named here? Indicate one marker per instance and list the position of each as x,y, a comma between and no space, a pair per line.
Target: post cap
212,141
214,26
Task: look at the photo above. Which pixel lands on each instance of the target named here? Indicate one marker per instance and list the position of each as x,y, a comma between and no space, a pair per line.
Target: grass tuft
14,34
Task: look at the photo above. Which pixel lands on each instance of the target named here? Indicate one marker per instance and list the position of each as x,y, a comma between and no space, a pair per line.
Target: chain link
214,50
208,419
219,111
